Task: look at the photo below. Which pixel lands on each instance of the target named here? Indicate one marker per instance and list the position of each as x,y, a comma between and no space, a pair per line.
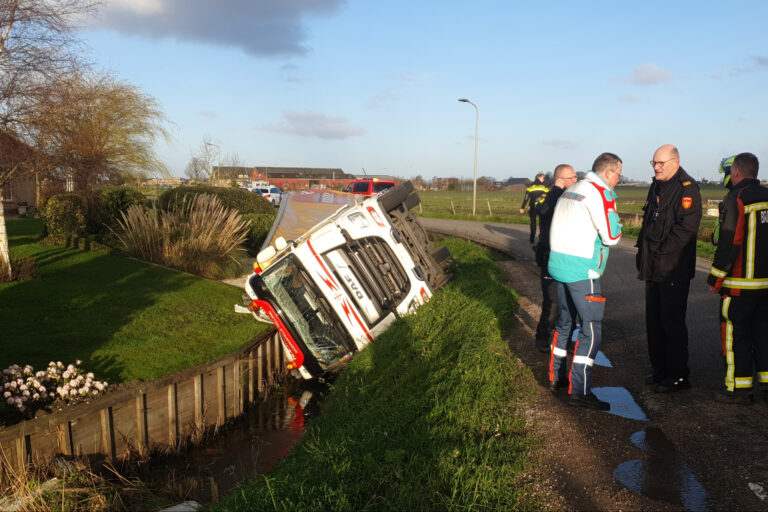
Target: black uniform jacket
666,245
741,258
546,209
533,194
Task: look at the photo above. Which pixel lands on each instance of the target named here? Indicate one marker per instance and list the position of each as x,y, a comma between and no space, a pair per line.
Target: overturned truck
332,287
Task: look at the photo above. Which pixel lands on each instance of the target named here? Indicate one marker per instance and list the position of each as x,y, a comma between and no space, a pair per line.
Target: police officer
739,274
666,261
533,195
565,176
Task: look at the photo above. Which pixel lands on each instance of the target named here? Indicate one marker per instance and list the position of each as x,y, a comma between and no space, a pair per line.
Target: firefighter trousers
745,340
666,304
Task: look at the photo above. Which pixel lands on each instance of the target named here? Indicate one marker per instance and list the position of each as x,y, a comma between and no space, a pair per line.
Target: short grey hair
604,162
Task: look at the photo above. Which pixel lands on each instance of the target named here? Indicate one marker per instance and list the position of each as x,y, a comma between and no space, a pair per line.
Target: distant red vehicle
369,187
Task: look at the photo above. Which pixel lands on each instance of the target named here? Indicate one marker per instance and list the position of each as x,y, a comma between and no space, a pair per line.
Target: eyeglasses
655,163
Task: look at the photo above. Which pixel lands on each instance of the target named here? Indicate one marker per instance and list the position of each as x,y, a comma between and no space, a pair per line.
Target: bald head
565,176
666,162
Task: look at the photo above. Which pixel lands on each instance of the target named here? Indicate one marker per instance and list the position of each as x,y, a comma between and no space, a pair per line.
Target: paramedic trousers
666,304
582,298
745,340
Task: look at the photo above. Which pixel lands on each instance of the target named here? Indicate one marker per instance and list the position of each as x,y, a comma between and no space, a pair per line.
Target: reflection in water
622,403
663,475
249,447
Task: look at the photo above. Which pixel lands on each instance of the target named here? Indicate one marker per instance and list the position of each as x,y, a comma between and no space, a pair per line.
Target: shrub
117,200
23,268
65,215
200,236
238,199
259,225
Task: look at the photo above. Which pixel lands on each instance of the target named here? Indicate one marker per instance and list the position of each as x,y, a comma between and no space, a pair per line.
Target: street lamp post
477,128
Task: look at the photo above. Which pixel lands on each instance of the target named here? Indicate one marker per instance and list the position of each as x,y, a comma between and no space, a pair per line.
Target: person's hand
714,289
522,211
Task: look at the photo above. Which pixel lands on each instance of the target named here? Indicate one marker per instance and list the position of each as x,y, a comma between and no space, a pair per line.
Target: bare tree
195,169
207,154
37,43
100,130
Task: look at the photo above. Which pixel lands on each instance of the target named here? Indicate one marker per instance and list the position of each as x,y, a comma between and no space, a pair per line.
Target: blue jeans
582,298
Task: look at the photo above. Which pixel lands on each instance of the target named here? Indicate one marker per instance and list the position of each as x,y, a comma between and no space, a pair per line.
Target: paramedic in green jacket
584,225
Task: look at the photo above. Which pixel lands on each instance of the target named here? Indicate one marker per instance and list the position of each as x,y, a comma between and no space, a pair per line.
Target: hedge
238,199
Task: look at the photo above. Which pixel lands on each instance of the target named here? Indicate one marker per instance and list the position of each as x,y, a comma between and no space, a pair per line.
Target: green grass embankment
428,417
123,318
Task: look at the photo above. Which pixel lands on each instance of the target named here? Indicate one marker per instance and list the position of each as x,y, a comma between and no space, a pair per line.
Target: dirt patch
724,448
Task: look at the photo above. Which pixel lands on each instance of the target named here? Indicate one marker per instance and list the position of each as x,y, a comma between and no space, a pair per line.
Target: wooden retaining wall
154,415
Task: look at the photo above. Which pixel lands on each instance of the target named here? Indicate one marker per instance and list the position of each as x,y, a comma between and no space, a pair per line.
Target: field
506,205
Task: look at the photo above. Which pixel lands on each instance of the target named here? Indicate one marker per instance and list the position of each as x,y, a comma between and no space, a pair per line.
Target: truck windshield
308,312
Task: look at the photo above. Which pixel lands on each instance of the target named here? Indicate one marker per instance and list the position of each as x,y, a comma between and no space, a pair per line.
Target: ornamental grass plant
199,236
428,417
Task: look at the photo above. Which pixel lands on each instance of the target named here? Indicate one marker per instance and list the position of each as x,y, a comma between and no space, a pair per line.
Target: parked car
272,194
369,187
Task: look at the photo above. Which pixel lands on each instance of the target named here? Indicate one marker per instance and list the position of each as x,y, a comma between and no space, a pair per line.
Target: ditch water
242,450
662,474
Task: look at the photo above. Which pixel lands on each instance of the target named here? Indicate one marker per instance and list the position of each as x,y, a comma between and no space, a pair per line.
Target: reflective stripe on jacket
741,258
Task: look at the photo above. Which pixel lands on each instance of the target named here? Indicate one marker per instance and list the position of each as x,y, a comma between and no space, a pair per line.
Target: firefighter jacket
585,223
533,195
741,258
666,245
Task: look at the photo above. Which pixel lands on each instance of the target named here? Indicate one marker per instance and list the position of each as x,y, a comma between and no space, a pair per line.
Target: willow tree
37,44
96,130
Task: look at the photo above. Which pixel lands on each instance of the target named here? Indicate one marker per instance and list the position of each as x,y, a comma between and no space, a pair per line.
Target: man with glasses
666,261
564,176
584,225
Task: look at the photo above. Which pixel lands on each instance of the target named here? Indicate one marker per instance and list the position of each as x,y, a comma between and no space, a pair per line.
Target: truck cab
331,291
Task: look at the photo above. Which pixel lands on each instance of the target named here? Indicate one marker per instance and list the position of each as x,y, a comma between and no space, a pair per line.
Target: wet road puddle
663,475
601,360
622,402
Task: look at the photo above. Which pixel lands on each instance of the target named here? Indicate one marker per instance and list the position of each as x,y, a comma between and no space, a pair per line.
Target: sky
372,87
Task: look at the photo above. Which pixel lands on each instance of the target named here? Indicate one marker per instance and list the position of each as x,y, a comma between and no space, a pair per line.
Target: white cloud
647,74
314,124
258,27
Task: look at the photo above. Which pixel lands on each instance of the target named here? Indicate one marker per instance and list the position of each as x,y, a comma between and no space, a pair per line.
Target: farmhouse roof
304,172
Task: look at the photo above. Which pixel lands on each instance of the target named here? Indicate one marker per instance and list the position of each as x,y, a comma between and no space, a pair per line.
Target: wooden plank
199,403
237,388
210,398
251,376
186,407
86,435
141,425
107,433
260,368
221,396
173,416
125,428
156,403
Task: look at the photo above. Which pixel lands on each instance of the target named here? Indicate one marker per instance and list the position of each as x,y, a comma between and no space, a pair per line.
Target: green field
503,204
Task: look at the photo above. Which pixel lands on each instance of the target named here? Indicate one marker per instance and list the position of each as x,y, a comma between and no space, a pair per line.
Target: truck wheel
412,201
394,197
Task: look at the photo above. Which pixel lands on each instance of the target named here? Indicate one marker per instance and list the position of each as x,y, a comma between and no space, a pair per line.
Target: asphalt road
725,444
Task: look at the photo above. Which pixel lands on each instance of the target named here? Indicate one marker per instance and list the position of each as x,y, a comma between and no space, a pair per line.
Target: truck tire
412,201
394,197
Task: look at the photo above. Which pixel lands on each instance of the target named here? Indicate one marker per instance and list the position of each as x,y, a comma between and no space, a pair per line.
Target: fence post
489,207
221,402
141,423
199,417
173,415
453,207
107,433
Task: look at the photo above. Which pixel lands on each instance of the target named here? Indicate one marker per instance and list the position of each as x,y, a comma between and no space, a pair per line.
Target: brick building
287,178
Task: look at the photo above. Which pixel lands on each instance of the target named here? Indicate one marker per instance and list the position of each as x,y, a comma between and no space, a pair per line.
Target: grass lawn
124,319
429,417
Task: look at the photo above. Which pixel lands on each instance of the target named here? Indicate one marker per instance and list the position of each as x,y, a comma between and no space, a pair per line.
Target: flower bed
26,391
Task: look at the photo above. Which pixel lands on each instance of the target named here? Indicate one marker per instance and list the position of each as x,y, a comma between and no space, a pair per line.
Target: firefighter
533,195
739,274
666,261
